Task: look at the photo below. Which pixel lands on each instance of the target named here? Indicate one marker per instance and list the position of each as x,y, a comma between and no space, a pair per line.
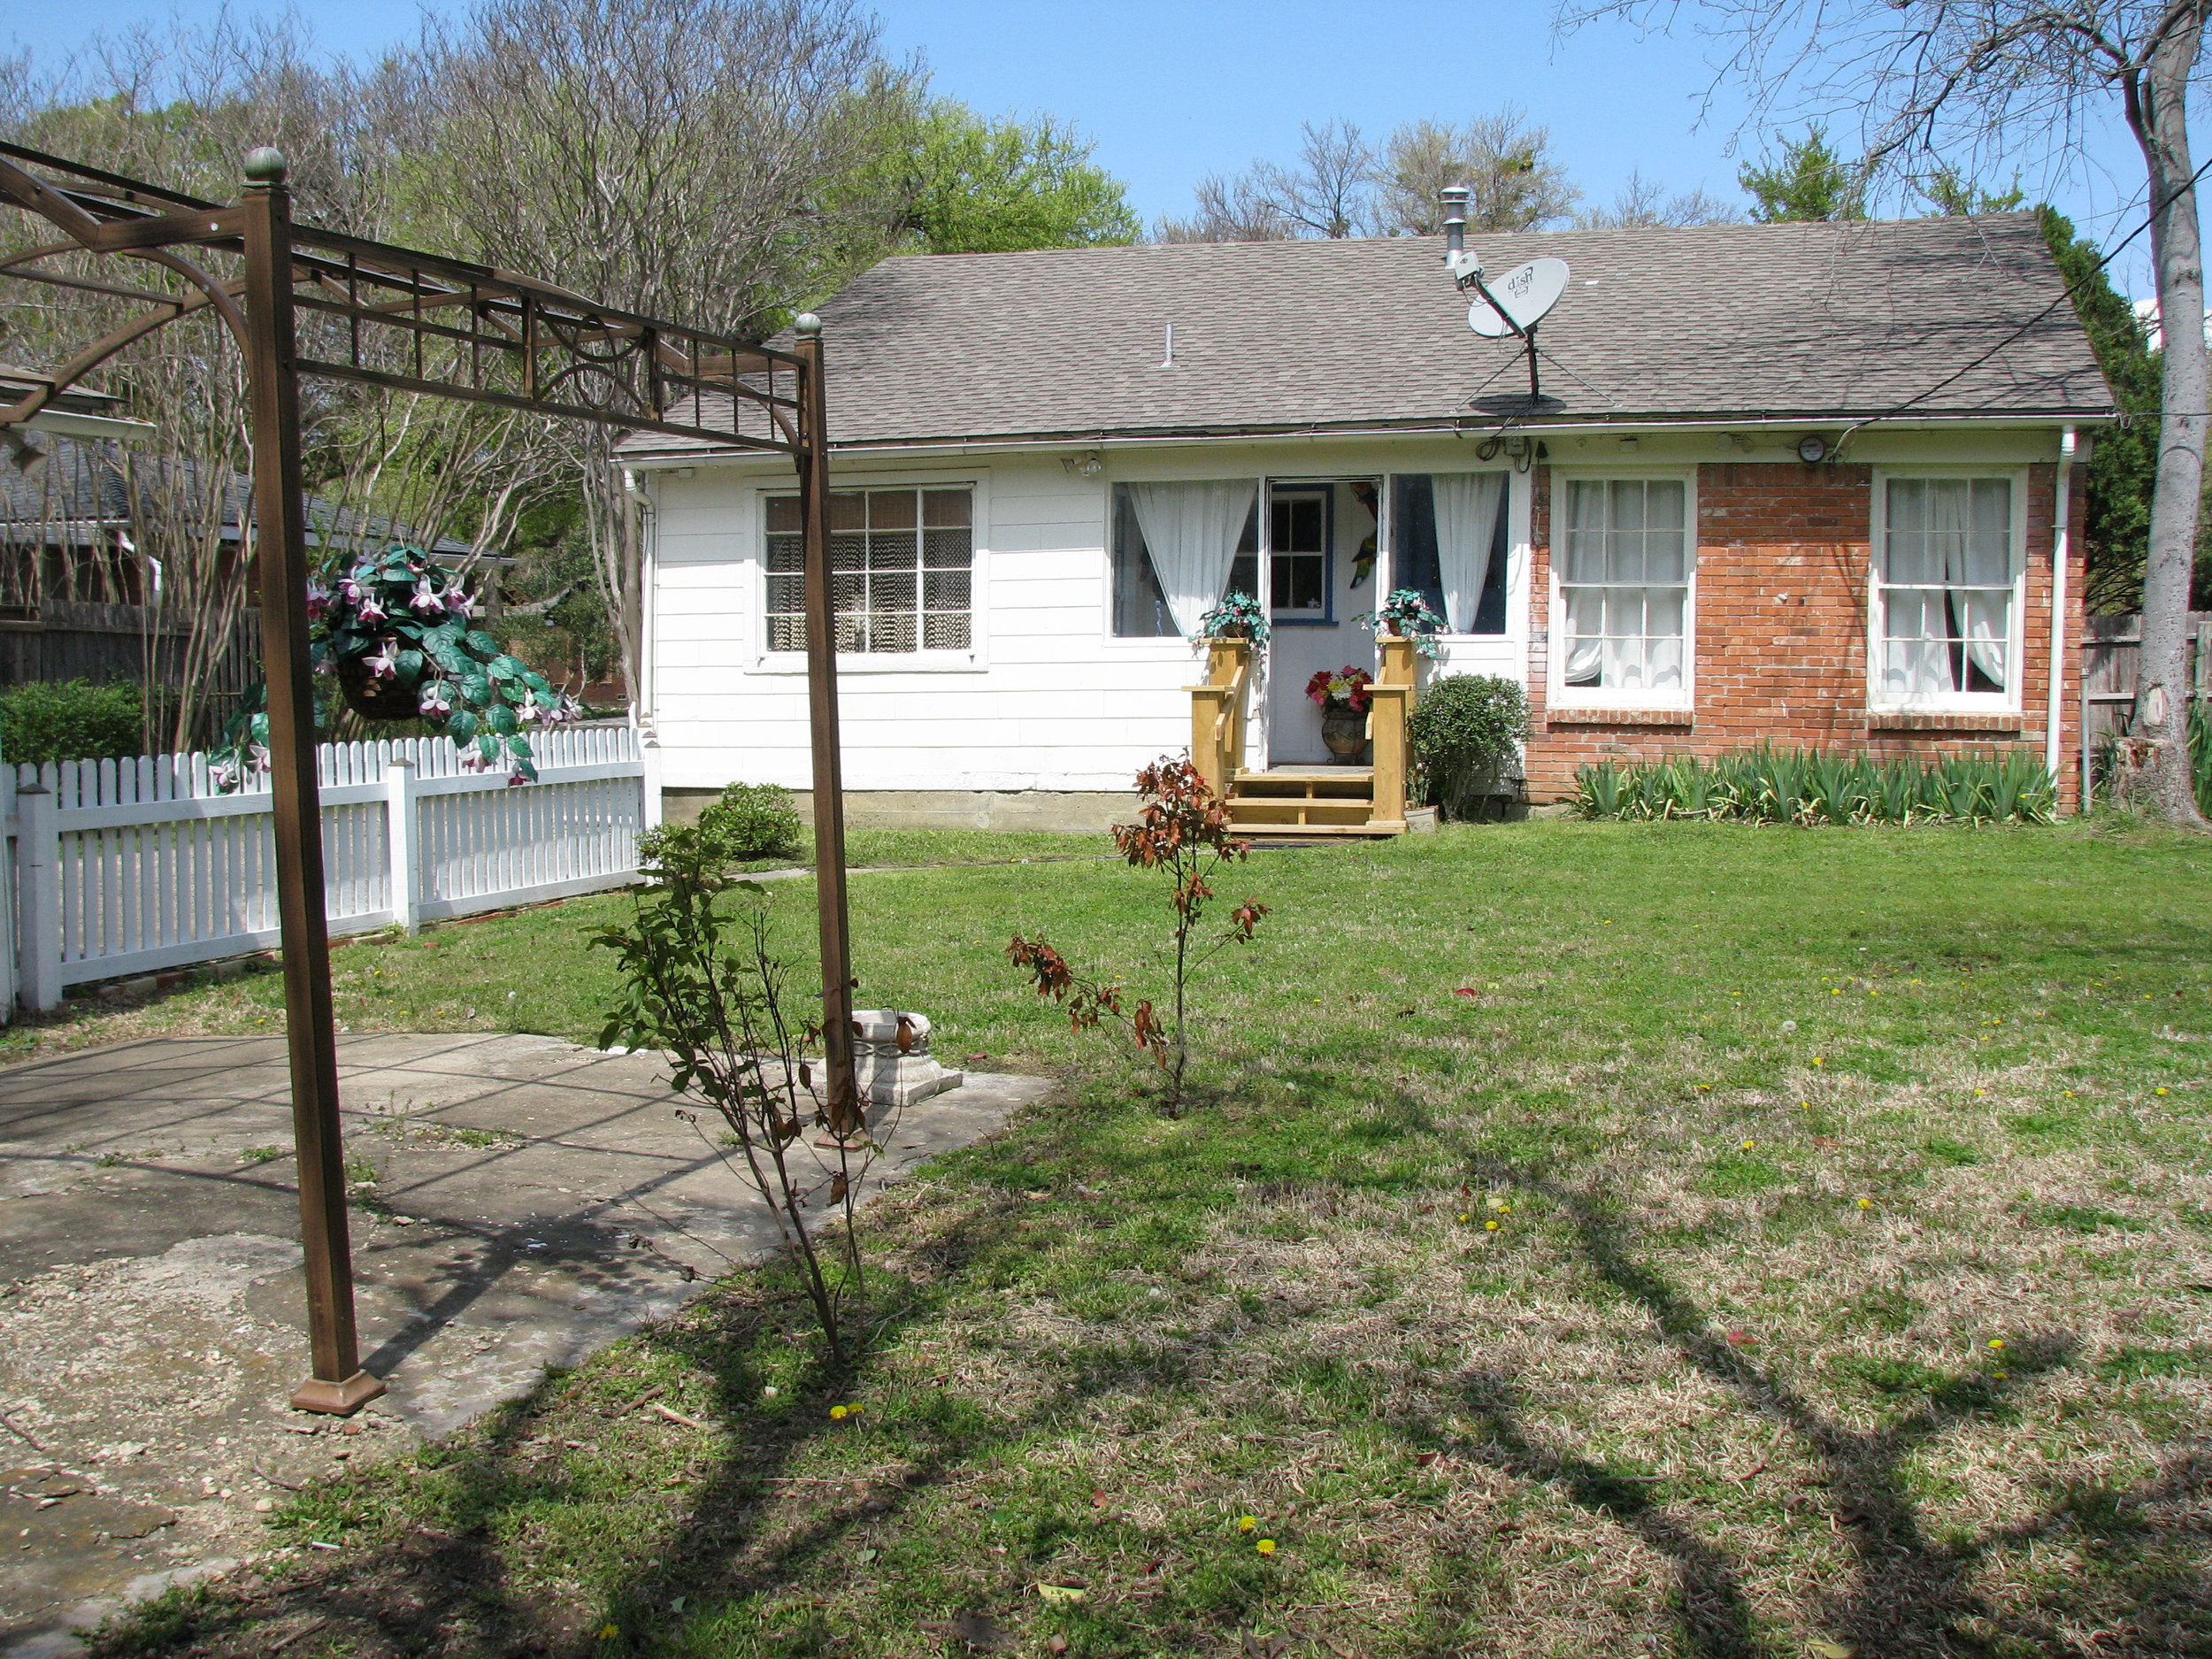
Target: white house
1802,483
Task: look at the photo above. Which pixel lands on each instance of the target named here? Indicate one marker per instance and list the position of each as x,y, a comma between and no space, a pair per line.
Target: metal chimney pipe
1454,198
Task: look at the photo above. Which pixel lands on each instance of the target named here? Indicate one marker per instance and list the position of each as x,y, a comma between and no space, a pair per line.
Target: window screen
901,565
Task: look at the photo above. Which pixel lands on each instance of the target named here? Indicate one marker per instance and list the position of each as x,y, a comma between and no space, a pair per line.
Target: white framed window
1624,581
1946,601
901,571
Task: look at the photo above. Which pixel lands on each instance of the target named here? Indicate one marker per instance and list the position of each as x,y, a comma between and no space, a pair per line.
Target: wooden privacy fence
2111,664
128,867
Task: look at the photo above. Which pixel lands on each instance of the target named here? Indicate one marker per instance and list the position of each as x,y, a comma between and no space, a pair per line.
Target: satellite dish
1527,291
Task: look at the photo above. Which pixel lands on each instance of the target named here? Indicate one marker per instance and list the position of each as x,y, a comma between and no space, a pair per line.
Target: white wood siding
1049,699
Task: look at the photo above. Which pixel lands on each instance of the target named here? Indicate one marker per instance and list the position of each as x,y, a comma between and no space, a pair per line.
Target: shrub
71,719
1772,786
751,820
1465,730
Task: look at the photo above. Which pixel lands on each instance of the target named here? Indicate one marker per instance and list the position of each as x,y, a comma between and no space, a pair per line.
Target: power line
2068,297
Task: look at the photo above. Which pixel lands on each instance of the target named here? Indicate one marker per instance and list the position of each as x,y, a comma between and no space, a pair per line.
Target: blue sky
1171,91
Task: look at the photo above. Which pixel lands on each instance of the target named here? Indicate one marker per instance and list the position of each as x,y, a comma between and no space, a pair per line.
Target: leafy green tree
2124,467
1808,181
1951,194
970,185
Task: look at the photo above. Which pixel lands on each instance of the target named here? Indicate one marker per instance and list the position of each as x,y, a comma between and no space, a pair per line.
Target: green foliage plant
1238,616
2123,466
1183,831
1771,785
971,184
702,984
750,820
395,618
1465,730
1404,614
46,721
1807,180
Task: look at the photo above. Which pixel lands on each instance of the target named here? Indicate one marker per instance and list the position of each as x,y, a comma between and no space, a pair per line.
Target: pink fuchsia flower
382,665
369,610
318,602
437,698
426,602
456,603
516,777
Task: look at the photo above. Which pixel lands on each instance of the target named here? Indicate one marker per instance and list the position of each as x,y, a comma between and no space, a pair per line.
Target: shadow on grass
2143,1545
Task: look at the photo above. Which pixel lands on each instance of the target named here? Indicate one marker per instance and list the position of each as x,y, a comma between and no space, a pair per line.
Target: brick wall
1783,562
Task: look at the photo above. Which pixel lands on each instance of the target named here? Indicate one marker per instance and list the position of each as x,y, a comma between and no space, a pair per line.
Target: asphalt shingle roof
1813,321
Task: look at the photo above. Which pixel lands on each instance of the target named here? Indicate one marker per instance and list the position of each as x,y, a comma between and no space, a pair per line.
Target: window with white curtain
1623,563
1946,593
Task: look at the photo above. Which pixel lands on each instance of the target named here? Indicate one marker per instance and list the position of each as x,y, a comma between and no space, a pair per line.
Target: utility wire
2068,297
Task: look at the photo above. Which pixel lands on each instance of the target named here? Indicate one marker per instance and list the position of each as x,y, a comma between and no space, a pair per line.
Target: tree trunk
2158,114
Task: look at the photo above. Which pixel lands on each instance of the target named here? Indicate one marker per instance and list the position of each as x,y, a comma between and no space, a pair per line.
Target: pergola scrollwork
299,301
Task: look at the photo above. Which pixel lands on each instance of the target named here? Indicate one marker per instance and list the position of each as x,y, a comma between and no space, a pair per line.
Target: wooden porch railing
1218,713
1390,702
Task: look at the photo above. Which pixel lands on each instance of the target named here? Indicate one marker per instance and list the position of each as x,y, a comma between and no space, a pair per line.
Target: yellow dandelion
2069,1094
1266,1547
1819,1059
1804,1105
609,1633
837,1414
2001,1375
2160,1090
1837,992
1997,1343
1466,1218
1246,1524
1866,1203
1490,1226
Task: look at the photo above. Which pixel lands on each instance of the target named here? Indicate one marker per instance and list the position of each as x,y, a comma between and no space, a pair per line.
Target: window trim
1512,566
975,659
1558,693
1265,551
2006,702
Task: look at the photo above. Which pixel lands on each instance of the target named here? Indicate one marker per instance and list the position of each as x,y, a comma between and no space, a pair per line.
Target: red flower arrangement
1345,685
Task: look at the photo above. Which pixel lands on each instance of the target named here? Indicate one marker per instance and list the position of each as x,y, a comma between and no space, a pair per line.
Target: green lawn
1850,1289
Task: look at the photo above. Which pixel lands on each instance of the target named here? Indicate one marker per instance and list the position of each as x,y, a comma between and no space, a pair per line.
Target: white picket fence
130,867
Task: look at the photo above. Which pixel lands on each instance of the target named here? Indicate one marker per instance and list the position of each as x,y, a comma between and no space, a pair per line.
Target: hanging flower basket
377,697
394,633
1238,616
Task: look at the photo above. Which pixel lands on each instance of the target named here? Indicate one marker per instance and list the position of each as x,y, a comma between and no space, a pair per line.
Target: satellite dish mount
1514,302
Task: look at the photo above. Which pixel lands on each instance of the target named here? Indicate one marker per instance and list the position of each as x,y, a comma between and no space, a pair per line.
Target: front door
1318,551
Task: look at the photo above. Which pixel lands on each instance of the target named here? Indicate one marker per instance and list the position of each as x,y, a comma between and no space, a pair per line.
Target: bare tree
1965,83
1503,160
1228,209
691,159
1328,192
1643,204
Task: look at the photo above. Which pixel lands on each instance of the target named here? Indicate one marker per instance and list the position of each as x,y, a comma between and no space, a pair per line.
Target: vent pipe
1455,197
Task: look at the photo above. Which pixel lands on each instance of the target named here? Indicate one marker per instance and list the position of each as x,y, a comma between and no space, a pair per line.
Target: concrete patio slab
520,1202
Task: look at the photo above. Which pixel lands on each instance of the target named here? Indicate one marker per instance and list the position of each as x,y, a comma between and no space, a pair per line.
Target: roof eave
1202,432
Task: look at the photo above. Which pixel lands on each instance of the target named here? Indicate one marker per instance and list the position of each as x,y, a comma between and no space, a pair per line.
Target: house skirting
1067,811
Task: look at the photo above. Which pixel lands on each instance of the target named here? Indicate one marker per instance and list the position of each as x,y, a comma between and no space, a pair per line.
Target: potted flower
1406,615
394,633
1343,698
1238,616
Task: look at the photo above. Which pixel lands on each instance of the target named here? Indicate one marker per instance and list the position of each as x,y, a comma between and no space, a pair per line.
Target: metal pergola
306,302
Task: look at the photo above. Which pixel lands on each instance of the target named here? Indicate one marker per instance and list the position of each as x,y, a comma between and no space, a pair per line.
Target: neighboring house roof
78,491
1819,321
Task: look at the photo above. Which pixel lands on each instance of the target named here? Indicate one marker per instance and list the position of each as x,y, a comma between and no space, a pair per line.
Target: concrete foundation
1066,811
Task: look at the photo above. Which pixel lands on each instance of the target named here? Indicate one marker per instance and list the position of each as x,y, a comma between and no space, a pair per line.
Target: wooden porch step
1243,812
1374,829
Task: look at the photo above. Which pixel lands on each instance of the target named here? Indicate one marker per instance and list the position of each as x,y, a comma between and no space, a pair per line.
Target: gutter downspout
2061,554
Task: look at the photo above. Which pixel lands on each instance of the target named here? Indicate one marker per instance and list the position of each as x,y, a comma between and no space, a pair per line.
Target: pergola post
843,1107
338,1385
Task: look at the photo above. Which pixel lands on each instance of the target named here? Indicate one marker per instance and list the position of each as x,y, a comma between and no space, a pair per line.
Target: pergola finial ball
265,165
807,324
